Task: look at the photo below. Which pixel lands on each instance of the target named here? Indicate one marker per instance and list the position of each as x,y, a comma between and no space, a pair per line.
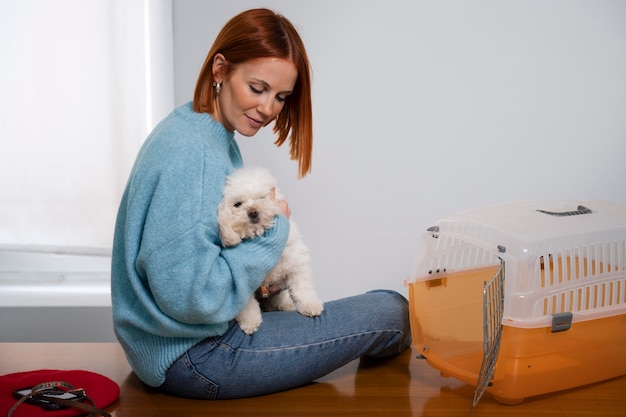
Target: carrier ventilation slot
453,254
587,298
584,262
493,311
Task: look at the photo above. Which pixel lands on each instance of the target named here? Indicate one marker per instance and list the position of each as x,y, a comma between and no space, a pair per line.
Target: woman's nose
266,106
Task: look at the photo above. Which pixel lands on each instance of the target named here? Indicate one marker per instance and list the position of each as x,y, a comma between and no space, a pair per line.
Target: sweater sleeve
195,281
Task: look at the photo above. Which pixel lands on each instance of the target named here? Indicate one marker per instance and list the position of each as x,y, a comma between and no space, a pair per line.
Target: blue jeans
290,350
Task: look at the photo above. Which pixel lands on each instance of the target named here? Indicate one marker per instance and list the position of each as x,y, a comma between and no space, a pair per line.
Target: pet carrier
524,298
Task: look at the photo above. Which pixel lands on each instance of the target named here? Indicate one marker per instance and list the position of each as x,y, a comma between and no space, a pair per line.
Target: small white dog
247,211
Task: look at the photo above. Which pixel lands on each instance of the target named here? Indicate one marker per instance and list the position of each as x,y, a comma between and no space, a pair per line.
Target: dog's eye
237,204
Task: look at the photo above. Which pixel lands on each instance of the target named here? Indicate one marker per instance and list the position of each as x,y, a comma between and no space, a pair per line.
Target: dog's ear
227,234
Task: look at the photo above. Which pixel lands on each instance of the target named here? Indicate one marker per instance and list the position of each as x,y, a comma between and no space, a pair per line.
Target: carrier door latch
561,321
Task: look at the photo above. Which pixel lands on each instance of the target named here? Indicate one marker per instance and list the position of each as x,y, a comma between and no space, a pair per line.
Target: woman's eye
256,90
237,204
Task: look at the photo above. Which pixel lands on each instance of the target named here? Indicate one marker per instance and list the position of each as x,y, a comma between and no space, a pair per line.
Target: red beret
102,390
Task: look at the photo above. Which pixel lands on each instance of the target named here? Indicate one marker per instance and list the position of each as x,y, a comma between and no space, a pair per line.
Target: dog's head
247,209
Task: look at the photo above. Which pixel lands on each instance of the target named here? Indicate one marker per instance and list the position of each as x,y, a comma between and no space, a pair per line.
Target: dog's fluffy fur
245,212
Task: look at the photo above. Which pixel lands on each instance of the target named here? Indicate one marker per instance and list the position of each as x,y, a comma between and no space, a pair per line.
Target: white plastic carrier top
560,256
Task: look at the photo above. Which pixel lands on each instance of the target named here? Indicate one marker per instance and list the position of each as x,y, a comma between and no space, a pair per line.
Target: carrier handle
579,210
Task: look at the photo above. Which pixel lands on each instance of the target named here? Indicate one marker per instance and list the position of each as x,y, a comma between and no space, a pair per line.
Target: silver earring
218,87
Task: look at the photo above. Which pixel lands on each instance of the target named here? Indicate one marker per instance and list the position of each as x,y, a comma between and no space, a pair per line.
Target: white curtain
83,82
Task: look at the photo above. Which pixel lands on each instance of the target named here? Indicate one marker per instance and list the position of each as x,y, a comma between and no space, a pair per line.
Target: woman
175,290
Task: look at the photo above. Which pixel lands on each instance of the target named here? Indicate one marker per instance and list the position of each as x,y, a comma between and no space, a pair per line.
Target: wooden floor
402,386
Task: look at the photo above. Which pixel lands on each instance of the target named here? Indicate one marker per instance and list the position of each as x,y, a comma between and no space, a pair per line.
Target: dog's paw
311,308
248,325
250,317
249,328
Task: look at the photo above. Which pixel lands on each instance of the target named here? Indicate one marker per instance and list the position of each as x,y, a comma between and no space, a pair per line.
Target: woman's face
253,93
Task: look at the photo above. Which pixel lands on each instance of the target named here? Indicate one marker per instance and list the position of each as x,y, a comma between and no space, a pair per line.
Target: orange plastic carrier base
523,299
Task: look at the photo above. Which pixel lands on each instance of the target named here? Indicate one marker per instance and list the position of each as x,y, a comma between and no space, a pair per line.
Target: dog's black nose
253,215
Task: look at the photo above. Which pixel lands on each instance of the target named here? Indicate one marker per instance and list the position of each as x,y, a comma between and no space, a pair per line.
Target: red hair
262,33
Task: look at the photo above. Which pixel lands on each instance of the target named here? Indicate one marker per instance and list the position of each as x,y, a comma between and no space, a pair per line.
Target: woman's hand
266,292
284,206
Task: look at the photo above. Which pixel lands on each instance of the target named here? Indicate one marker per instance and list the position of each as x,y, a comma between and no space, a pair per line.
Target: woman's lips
254,122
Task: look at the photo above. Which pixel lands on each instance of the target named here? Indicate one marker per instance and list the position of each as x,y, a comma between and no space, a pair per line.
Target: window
83,84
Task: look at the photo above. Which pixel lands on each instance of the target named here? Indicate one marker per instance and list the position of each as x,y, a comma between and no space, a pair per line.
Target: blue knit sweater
172,284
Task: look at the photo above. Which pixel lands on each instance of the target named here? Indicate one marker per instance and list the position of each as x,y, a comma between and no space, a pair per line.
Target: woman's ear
219,67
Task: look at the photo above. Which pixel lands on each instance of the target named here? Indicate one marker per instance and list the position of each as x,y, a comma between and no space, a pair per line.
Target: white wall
425,108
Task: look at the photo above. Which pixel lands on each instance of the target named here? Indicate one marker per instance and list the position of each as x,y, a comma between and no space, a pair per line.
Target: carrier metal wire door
493,310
